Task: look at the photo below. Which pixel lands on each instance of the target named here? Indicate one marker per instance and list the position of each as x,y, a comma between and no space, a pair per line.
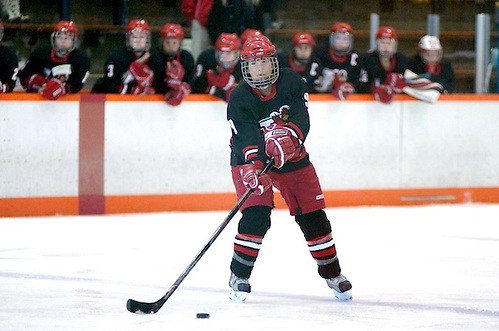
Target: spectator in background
341,72
428,63
11,11
384,67
198,12
234,16
179,64
302,61
58,69
218,70
134,68
8,66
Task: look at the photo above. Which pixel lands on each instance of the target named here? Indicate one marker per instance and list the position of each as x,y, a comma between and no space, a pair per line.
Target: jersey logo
276,117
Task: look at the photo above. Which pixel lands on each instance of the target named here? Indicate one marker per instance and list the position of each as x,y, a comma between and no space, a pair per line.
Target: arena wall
93,154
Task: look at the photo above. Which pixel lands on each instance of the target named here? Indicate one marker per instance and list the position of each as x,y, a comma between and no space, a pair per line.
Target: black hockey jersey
117,79
344,69
444,73
207,61
373,70
310,72
8,67
73,70
250,116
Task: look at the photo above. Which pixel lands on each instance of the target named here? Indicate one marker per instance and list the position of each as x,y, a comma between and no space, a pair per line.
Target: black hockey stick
134,306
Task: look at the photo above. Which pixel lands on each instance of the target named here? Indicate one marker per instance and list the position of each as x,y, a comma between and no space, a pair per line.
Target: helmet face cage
341,43
430,50
386,47
227,50
64,39
138,40
227,59
260,73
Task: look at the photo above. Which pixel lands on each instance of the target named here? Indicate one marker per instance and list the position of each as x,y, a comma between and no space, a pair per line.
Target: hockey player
58,69
218,70
268,116
384,67
341,72
8,66
135,68
179,64
428,63
302,61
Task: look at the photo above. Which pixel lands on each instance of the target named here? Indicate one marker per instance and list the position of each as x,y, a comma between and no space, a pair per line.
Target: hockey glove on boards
34,82
175,96
221,78
174,74
252,179
383,93
53,89
396,81
279,146
3,87
343,90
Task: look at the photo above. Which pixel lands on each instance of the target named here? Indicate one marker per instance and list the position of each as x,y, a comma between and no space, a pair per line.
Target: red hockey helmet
227,50
341,27
249,33
302,38
259,64
341,39
386,32
386,41
138,36
64,38
174,31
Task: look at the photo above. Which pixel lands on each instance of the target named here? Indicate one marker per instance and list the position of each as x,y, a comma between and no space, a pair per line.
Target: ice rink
412,268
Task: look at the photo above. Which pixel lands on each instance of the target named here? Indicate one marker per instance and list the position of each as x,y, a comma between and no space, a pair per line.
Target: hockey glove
53,89
175,96
396,81
138,90
34,83
383,93
250,175
174,74
343,90
222,79
3,87
142,74
279,146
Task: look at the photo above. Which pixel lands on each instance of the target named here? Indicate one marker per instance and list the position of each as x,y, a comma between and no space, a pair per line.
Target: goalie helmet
386,41
303,45
259,64
138,36
64,38
1,29
430,49
341,39
171,39
227,50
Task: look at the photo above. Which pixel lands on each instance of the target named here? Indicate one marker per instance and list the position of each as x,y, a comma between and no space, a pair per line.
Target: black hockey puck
202,315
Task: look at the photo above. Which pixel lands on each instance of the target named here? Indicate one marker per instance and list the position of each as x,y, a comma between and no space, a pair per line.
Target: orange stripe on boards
45,206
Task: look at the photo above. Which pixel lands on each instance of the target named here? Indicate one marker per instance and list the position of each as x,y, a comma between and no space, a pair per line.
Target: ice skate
239,288
341,287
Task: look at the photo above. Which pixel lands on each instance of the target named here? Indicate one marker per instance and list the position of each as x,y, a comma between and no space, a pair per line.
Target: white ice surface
412,268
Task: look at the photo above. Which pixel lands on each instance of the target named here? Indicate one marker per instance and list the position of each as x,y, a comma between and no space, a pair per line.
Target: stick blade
138,307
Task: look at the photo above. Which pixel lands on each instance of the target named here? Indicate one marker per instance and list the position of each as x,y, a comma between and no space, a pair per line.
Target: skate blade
345,296
238,296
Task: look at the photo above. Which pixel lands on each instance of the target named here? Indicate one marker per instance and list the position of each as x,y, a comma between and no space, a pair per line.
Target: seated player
428,63
218,70
8,66
384,67
179,64
341,72
302,60
58,69
134,68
